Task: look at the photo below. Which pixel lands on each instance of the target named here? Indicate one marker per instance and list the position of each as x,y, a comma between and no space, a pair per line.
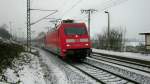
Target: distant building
147,40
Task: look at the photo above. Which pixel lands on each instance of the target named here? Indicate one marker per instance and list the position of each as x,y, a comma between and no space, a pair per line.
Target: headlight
84,40
67,45
86,44
70,40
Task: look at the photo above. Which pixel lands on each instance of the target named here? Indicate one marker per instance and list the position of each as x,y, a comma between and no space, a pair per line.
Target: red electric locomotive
69,40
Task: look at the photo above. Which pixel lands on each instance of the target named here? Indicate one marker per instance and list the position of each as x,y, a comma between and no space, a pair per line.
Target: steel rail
131,60
123,63
129,80
83,71
100,69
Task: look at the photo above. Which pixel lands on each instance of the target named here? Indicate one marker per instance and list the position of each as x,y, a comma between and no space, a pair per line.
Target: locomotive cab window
75,31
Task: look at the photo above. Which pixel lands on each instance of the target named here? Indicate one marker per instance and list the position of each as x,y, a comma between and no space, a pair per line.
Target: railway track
122,62
131,74
102,76
125,59
105,73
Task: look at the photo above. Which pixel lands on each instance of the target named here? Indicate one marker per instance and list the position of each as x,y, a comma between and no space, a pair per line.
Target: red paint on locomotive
69,40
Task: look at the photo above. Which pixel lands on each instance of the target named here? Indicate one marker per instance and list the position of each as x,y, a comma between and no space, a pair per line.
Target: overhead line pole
89,12
89,21
28,27
29,23
108,30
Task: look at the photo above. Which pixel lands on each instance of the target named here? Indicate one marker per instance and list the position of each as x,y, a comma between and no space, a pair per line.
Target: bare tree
115,41
4,33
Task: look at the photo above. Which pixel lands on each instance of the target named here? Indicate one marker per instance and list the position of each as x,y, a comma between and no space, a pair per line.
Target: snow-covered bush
8,51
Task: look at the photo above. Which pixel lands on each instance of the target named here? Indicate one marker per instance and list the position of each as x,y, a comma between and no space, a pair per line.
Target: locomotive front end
76,41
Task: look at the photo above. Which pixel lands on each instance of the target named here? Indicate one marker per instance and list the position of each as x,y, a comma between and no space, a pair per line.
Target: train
70,40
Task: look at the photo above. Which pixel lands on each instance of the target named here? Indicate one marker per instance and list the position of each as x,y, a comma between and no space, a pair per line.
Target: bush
8,51
113,42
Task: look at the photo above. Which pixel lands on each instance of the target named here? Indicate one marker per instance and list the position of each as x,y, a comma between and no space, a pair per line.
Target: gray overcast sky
134,15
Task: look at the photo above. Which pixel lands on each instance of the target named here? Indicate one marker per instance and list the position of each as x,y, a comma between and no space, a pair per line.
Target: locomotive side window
75,31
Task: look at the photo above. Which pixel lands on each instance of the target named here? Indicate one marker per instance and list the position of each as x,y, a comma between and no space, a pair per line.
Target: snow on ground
43,69
57,76
3,83
61,72
124,54
26,70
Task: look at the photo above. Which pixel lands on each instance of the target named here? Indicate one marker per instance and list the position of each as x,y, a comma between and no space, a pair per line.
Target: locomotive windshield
75,31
